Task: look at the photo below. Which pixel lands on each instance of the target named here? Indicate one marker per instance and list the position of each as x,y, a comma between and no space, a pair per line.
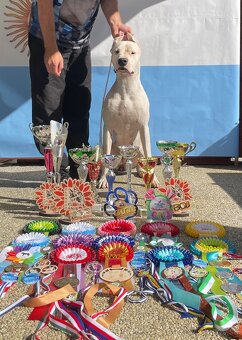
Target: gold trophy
147,166
178,154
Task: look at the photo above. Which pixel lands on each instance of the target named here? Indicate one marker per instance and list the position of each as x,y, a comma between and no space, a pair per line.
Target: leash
101,118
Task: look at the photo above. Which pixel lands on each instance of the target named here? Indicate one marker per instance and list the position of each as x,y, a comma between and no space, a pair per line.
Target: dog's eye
117,51
133,53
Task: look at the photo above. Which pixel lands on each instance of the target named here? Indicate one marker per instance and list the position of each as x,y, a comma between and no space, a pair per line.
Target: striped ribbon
77,324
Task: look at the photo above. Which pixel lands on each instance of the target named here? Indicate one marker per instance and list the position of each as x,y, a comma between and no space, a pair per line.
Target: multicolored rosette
43,226
31,239
204,228
99,241
73,254
211,244
79,228
115,250
72,239
170,254
160,228
117,227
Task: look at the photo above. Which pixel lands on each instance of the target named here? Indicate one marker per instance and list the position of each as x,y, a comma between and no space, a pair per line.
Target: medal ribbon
79,325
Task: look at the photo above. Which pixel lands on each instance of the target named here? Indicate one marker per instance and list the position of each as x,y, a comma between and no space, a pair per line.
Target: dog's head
125,55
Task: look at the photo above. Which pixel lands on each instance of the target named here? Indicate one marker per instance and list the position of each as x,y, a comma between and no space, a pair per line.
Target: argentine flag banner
189,69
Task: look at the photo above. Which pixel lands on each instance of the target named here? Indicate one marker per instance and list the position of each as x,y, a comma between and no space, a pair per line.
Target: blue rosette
170,254
99,241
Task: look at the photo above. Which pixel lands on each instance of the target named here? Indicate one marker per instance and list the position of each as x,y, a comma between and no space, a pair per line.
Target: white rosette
79,228
72,254
33,238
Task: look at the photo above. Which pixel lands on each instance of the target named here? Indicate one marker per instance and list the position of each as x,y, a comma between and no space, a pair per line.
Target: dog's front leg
107,146
145,141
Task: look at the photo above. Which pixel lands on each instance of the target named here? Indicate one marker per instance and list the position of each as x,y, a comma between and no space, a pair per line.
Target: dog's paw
102,182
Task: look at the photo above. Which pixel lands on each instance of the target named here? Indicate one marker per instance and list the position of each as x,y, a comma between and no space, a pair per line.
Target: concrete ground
217,196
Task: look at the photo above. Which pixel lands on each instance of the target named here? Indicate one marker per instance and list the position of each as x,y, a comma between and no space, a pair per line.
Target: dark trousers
64,99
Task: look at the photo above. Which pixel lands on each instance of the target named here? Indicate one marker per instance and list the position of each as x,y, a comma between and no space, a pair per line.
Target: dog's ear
128,36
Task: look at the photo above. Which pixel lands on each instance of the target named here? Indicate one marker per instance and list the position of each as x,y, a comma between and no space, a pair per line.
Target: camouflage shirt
73,20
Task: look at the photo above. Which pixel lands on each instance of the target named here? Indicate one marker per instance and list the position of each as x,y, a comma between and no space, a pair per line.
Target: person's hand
54,62
120,29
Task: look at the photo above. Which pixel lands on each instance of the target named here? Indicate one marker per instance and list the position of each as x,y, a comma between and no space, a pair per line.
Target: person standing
60,65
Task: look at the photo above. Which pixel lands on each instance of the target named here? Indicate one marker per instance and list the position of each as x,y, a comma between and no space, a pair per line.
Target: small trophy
129,152
82,156
166,147
42,133
178,154
59,134
111,162
147,166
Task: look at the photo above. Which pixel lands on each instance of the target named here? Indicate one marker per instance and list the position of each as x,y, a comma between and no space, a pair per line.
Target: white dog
126,107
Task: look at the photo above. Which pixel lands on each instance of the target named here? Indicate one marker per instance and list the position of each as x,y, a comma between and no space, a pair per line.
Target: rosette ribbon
211,244
117,227
73,239
99,241
79,228
115,250
47,227
31,239
72,254
170,254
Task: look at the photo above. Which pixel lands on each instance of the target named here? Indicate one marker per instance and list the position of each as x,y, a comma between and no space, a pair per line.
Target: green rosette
47,227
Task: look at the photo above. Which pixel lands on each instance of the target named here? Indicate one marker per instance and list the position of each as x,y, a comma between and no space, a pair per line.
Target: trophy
129,152
111,162
42,133
59,134
166,147
82,156
178,154
147,166
52,137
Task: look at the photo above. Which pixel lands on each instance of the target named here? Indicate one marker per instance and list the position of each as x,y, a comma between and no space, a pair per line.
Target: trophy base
97,209
49,214
181,214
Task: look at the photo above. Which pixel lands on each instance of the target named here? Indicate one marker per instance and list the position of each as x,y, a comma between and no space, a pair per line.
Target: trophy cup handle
192,146
66,125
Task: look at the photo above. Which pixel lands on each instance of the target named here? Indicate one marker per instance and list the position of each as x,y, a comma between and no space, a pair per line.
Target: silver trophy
52,137
42,133
129,152
166,147
82,156
59,134
111,162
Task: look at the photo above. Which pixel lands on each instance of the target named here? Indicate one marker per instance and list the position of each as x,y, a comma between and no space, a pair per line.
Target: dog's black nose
122,62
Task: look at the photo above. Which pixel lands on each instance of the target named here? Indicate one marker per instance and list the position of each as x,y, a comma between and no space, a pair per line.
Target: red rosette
115,250
117,227
160,228
73,254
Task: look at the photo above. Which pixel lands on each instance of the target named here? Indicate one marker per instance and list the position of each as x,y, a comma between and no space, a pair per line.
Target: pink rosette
73,254
160,228
117,227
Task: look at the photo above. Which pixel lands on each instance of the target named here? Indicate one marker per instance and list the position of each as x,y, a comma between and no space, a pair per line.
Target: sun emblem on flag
18,15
